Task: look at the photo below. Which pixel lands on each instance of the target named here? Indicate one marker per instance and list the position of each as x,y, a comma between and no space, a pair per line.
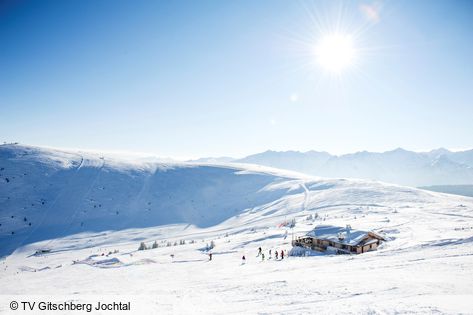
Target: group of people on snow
276,253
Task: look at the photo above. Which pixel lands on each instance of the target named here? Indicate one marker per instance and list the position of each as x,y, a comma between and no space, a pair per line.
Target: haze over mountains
399,166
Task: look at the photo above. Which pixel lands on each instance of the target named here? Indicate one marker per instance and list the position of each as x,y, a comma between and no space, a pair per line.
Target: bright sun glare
335,52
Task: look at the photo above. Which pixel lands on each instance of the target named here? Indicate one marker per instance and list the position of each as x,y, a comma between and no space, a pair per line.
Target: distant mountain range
399,166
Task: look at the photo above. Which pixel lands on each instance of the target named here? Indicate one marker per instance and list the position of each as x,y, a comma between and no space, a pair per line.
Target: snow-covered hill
437,167
48,193
93,212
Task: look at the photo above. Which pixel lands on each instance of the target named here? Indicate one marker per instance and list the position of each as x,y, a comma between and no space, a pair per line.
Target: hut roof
343,235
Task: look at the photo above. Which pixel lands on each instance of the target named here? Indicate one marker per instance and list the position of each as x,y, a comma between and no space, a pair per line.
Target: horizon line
127,154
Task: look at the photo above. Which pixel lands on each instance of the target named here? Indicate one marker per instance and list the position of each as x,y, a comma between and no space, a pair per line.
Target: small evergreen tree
142,246
293,223
155,245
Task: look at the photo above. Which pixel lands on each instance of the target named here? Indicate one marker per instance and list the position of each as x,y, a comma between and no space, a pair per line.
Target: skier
210,256
259,251
269,254
276,254
262,257
243,259
282,254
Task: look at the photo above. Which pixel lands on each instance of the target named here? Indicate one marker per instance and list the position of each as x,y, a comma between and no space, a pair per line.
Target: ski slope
63,193
96,205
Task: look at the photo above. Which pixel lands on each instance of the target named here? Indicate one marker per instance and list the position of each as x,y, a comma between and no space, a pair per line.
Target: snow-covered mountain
92,212
49,193
437,167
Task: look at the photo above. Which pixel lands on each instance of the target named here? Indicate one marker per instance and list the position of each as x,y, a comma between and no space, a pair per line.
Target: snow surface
426,266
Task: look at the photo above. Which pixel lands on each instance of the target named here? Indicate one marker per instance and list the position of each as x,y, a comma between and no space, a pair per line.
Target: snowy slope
47,193
425,267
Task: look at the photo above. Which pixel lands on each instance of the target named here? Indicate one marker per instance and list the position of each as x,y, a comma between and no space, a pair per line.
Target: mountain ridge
399,166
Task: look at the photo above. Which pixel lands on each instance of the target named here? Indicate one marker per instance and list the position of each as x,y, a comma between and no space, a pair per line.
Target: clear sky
212,78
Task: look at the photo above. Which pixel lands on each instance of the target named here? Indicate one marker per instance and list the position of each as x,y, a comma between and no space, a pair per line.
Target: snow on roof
332,233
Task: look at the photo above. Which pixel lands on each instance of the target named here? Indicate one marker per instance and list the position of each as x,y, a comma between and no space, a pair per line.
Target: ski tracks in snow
306,196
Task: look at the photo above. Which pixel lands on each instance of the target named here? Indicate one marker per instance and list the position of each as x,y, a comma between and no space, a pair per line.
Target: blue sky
209,78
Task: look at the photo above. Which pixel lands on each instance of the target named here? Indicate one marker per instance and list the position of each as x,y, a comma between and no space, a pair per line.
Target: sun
335,52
